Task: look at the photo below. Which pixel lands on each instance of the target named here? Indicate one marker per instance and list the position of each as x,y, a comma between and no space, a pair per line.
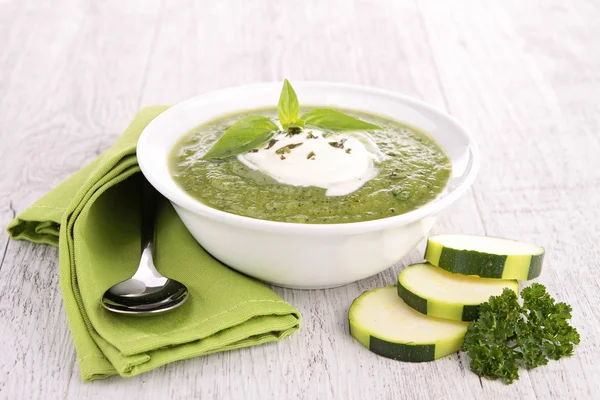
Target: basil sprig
246,134
254,130
288,107
332,120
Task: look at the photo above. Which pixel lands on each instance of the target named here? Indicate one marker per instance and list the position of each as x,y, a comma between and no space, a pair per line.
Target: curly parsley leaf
550,336
507,335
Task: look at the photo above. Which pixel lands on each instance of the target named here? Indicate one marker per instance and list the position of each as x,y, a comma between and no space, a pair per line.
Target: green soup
414,172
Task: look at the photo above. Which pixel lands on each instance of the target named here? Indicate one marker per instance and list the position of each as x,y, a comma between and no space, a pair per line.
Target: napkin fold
94,218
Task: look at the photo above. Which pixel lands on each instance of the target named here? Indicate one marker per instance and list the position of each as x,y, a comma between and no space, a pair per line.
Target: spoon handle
149,209
146,271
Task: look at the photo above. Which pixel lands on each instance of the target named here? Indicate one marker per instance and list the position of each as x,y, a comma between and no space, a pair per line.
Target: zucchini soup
324,167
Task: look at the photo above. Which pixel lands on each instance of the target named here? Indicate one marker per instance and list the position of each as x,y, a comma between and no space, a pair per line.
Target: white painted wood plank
76,70
523,75
228,43
37,350
71,79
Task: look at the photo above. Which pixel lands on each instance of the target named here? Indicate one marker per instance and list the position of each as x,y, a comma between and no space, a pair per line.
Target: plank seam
13,215
438,77
151,52
70,375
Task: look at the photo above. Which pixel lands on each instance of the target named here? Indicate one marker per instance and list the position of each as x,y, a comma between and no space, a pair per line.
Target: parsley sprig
508,335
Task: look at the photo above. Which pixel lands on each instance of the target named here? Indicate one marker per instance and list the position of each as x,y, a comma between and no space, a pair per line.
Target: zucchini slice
487,257
438,293
384,324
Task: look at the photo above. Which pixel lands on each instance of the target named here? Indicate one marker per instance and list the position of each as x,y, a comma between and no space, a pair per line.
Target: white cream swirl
340,170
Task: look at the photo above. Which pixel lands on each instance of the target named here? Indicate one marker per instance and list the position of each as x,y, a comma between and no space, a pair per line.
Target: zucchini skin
535,268
411,299
485,265
404,351
439,309
407,352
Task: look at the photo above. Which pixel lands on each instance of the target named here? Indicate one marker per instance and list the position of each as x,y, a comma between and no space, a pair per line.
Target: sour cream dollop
340,170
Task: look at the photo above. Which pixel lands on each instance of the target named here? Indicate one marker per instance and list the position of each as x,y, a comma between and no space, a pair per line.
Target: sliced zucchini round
384,324
438,293
487,257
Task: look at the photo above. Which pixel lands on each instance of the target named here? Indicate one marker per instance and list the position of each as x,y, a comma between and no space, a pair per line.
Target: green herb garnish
507,335
247,133
293,130
254,130
271,143
288,107
326,118
339,145
287,148
310,155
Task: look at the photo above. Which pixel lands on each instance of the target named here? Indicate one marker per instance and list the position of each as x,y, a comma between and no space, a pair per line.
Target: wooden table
523,75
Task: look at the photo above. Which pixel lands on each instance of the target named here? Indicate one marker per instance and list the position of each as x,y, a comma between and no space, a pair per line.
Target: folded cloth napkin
94,218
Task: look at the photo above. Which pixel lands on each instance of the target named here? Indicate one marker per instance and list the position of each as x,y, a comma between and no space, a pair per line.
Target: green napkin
94,218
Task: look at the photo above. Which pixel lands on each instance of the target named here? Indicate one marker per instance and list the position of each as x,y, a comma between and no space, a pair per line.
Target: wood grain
522,75
62,59
540,180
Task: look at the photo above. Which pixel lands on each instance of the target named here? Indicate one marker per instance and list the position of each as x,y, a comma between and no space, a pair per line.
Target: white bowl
306,256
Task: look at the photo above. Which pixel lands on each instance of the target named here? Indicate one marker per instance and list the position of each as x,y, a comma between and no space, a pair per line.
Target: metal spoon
147,291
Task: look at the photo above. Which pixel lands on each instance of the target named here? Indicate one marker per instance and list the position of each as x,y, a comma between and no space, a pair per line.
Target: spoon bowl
147,292
135,298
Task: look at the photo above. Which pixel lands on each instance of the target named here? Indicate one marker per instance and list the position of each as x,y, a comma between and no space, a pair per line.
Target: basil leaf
246,134
288,107
326,118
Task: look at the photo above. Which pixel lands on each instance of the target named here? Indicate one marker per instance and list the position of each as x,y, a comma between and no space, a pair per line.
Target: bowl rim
429,209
